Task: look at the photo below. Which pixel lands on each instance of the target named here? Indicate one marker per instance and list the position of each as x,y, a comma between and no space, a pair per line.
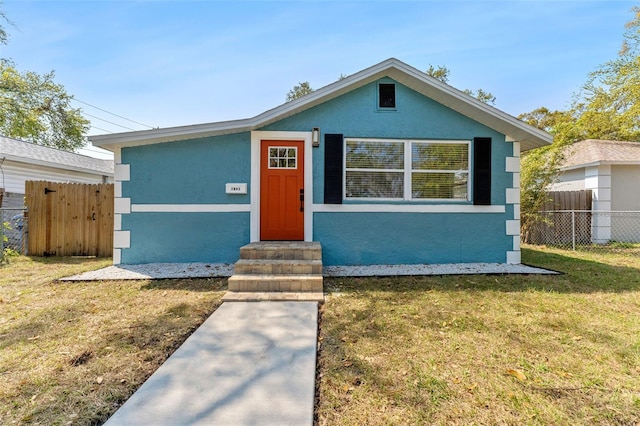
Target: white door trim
254,213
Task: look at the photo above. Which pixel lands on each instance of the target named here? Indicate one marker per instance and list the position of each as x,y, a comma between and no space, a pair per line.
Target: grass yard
485,349
415,350
72,353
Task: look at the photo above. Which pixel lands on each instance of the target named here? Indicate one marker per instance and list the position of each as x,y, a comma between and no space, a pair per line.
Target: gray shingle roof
592,151
27,152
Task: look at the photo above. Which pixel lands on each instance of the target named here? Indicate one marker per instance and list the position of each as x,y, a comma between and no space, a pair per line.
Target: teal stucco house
386,166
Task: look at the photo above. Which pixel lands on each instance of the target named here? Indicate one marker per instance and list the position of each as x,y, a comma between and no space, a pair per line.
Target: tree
299,90
439,73
442,74
481,95
36,109
608,106
539,168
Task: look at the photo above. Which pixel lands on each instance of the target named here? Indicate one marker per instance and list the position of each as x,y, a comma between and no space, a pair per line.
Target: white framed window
409,170
283,157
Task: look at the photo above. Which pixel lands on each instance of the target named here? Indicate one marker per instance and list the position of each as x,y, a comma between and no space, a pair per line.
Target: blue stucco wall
187,172
409,238
415,117
195,172
406,238
185,237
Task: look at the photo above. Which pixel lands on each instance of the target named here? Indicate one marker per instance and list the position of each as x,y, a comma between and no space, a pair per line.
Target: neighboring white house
611,169
22,161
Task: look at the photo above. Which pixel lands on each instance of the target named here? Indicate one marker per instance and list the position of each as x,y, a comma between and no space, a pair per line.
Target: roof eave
600,163
148,137
514,129
44,163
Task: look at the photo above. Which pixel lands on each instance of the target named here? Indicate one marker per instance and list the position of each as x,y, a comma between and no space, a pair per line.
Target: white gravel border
155,271
436,269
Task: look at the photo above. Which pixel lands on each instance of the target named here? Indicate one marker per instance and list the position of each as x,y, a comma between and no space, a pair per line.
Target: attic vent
386,95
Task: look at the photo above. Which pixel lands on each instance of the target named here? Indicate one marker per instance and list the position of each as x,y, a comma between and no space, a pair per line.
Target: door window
283,157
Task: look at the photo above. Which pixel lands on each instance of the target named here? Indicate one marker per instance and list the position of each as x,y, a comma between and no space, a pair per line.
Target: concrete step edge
259,296
275,277
279,261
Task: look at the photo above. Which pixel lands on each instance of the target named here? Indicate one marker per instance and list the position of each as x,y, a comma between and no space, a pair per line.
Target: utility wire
110,122
102,130
108,112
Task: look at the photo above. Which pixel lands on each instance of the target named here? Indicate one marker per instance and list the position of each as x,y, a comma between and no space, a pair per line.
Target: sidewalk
248,364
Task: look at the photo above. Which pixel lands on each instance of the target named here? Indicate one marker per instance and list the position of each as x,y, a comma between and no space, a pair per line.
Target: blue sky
167,63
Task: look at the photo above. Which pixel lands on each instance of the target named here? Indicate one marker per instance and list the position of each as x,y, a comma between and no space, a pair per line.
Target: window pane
439,185
291,153
374,184
375,155
439,156
387,95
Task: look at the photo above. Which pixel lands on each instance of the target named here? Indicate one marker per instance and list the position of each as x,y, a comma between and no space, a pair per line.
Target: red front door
282,190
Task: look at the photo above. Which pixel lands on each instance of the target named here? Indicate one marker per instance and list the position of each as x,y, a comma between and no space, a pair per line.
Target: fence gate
69,219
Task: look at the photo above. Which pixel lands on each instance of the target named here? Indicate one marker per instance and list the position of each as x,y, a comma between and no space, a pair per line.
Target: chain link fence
597,231
13,231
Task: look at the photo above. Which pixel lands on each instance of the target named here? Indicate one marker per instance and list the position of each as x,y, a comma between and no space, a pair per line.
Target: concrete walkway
248,364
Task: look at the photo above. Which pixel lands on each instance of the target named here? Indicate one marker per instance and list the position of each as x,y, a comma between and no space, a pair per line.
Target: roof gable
592,152
30,153
514,129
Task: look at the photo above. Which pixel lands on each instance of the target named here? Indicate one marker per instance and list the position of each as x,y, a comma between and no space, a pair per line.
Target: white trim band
190,208
404,208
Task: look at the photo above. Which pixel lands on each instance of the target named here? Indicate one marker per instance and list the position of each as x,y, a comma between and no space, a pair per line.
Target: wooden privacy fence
553,226
69,219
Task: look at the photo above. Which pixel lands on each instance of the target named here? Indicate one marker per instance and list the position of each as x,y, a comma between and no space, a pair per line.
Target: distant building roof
592,152
26,152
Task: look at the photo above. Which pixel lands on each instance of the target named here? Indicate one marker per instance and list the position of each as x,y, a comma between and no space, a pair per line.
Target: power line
114,114
110,122
102,130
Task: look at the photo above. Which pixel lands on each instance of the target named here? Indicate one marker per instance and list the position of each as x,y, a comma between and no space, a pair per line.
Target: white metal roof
514,129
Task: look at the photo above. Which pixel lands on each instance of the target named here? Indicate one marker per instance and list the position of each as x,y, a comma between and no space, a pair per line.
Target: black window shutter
482,171
333,153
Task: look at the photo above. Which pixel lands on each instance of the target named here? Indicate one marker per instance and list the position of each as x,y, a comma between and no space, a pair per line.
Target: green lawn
72,352
485,349
416,350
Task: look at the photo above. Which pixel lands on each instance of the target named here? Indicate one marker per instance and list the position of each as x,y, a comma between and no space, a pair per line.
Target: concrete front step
280,267
282,250
273,296
275,282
